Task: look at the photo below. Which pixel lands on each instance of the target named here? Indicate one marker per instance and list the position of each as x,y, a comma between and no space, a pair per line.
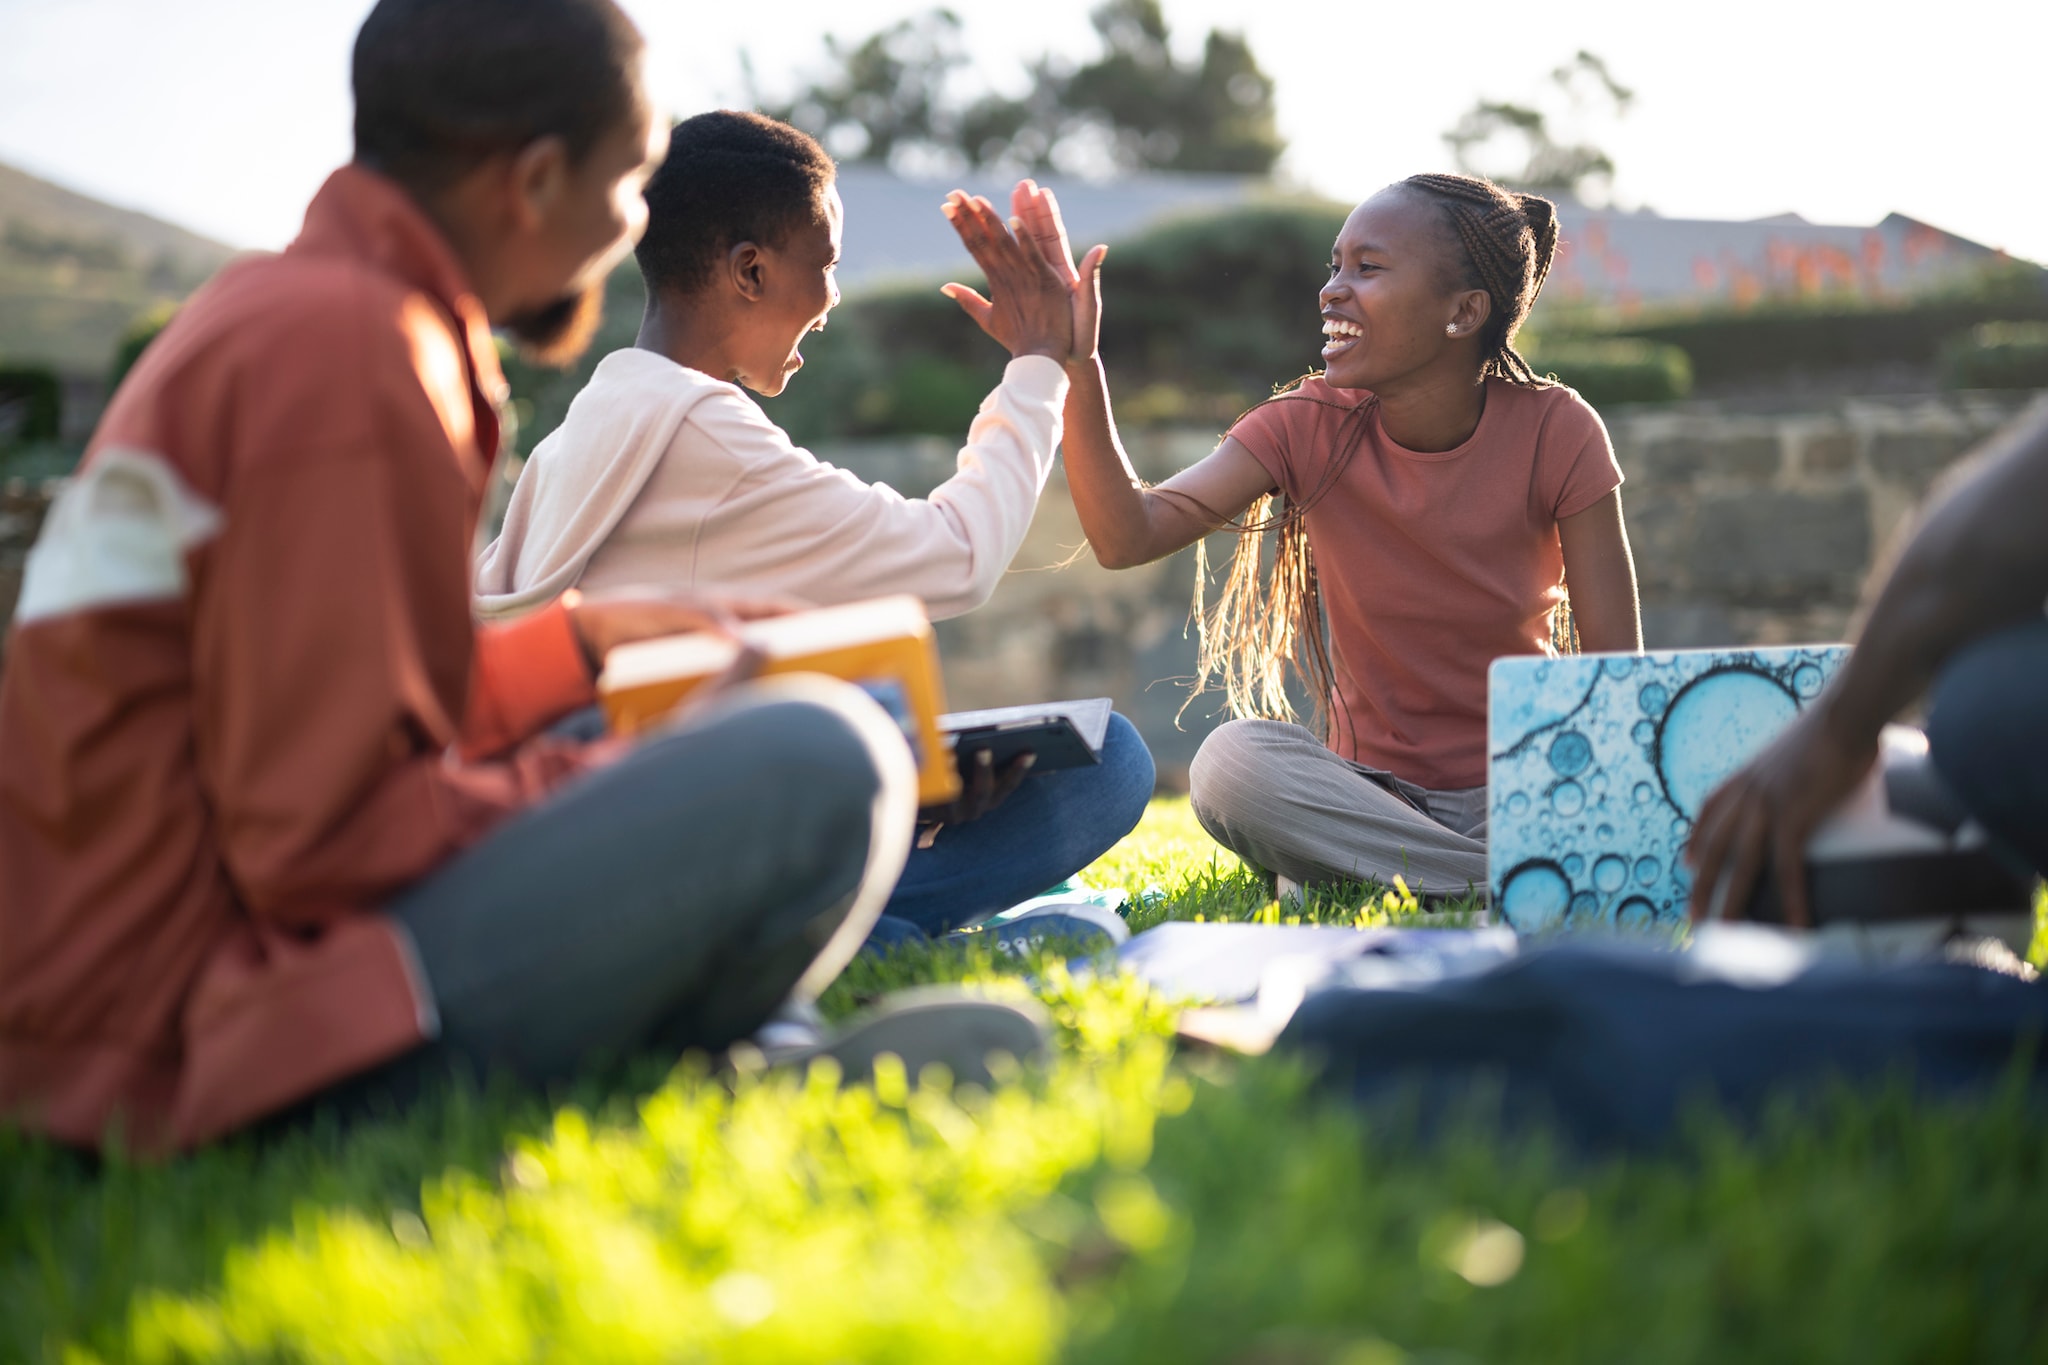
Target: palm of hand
1037,211
1039,303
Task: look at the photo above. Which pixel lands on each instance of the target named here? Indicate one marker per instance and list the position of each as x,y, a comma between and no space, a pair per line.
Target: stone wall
1748,527
1760,528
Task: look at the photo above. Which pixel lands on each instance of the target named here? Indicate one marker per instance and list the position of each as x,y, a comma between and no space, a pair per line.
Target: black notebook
1063,734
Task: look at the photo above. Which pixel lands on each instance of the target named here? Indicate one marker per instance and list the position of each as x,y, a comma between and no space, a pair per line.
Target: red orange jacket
244,701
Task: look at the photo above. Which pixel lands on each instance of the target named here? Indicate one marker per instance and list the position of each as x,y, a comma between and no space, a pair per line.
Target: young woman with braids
1437,499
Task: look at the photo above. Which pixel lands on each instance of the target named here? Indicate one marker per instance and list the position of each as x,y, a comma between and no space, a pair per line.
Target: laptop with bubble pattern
1598,764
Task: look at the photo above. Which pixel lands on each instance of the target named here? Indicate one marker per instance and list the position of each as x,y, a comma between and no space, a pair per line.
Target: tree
1547,164
1217,116
1134,107
888,95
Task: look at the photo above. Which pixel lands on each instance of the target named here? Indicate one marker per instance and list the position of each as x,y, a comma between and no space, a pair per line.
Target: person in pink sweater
665,472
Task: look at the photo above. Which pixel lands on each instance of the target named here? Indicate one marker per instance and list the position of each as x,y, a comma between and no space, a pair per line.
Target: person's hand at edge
1037,212
1029,309
1771,807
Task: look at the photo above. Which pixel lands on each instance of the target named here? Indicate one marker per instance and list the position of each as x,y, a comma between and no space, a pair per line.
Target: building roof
1632,257
894,229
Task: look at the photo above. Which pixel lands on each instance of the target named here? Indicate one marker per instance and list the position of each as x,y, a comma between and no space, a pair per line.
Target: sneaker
1084,921
929,1024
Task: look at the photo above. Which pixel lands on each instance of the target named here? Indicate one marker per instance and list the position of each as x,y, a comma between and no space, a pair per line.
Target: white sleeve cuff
1037,379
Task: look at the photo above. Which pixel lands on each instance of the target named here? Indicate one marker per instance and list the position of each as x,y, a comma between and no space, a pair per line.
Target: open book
883,646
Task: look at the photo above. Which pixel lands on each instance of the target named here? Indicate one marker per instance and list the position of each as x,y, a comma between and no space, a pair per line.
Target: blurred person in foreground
1960,618
277,821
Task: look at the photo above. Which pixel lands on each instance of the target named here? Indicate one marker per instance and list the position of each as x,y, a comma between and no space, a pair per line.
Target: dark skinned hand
983,790
1771,808
1030,308
1038,212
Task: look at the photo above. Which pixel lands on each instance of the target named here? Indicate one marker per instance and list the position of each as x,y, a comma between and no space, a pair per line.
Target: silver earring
1451,330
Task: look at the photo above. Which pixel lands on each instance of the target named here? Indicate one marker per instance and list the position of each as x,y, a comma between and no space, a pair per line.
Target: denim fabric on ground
890,932
1051,827
1612,1044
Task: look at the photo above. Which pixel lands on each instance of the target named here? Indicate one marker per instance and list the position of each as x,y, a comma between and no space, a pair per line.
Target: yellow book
883,646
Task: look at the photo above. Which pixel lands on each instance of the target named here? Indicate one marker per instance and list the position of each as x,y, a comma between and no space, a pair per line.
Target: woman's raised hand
1034,208
1030,305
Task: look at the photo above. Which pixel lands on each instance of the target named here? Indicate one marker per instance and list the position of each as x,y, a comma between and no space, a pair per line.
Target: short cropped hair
441,85
730,177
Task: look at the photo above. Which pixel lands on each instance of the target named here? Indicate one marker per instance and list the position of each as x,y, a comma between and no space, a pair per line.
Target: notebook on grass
1598,764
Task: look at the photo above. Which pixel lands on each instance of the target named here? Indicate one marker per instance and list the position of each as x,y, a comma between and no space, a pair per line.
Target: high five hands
1040,302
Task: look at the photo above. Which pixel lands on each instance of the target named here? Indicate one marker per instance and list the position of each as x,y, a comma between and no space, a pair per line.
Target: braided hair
1509,239
1258,632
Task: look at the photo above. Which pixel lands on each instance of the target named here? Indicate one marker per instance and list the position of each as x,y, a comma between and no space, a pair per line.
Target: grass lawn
1124,1204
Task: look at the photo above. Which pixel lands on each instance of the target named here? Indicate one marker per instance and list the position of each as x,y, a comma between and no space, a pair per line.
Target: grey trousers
669,901
1273,794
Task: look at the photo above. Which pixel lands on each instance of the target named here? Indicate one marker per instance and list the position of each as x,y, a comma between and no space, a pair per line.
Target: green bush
1777,338
136,340
1204,314
31,404
1223,303
927,394
1997,355
1621,370
895,361
541,394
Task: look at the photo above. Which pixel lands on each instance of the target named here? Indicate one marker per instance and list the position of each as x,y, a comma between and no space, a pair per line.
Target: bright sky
224,115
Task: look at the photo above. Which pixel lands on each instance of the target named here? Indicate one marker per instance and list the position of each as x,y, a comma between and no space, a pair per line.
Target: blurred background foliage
1781,335
31,404
1205,315
902,98
1997,355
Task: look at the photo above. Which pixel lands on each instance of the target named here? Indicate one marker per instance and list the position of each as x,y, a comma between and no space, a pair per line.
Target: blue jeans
1051,827
1988,735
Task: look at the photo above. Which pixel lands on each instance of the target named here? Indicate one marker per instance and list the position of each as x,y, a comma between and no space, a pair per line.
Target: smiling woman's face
1392,293
797,291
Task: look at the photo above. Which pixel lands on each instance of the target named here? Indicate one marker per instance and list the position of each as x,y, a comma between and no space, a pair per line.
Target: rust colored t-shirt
1432,564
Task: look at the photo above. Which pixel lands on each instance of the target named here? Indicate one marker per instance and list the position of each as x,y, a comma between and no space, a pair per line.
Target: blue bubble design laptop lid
1599,763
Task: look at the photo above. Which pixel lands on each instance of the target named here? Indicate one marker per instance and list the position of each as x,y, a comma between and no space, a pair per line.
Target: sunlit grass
1171,869
2037,954
1120,1204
